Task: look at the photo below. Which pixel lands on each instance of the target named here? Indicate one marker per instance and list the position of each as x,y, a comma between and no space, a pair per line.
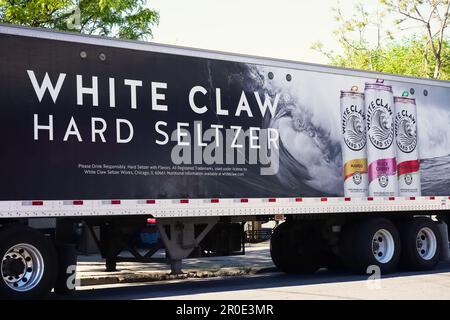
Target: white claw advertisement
171,126
380,134
379,143
354,140
407,150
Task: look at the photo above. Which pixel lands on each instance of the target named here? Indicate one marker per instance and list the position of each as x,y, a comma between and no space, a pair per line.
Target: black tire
346,242
293,249
278,250
357,245
411,259
16,234
331,261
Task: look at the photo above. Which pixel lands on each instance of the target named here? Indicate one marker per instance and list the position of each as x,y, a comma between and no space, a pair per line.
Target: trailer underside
302,244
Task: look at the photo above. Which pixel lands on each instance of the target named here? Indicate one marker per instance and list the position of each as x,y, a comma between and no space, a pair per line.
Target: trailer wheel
278,249
346,241
28,264
420,243
294,250
376,242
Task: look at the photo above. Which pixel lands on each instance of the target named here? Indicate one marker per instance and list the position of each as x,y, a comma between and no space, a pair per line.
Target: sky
283,29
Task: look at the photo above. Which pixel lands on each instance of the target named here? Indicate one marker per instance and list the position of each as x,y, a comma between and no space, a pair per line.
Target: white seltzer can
354,144
381,152
407,151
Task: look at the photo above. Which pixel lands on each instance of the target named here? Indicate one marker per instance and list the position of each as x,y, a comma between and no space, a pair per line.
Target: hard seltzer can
407,151
354,144
379,102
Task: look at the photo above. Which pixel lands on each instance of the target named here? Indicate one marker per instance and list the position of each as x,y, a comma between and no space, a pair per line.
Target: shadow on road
267,280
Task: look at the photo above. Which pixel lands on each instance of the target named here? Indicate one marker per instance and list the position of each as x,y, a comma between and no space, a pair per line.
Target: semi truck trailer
108,133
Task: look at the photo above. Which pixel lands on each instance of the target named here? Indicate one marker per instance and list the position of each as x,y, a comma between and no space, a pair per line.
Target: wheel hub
13,267
22,267
383,246
426,243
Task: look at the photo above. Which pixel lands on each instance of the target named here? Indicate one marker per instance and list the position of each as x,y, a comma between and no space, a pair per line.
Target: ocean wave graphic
405,135
308,154
380,128
435,178
355,129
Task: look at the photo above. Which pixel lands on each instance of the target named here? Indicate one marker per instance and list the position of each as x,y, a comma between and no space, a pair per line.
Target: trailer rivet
412,91
83,54
270,75
425,92
102,57
288,77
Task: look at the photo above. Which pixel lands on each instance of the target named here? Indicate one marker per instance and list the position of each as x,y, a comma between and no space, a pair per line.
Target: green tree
432,16
404,57
129,19
426,53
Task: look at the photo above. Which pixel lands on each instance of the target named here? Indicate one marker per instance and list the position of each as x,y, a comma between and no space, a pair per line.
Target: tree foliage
424,53
129,19
404,57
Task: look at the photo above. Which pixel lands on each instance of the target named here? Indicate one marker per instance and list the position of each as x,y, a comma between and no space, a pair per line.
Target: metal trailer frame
166,208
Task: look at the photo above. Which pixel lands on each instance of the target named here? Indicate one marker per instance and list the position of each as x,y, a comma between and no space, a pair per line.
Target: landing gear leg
180,239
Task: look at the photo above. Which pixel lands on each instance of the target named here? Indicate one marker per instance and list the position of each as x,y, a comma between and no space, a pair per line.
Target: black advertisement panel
84,121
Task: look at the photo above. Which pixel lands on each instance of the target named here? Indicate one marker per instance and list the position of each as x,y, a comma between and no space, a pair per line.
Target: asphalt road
277,286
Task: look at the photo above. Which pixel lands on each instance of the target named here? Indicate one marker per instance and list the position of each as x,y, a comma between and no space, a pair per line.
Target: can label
381,150
381,170
380,128
354,144
407,151
354,169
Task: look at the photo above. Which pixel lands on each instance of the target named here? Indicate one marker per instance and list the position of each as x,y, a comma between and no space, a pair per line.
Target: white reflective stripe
73,202
33,203
112,202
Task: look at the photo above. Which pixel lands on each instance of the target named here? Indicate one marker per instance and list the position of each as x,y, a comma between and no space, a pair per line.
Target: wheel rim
426,243
22,267
383,246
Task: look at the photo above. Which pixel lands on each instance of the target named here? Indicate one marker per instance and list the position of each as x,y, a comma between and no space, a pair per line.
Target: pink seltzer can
381,152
